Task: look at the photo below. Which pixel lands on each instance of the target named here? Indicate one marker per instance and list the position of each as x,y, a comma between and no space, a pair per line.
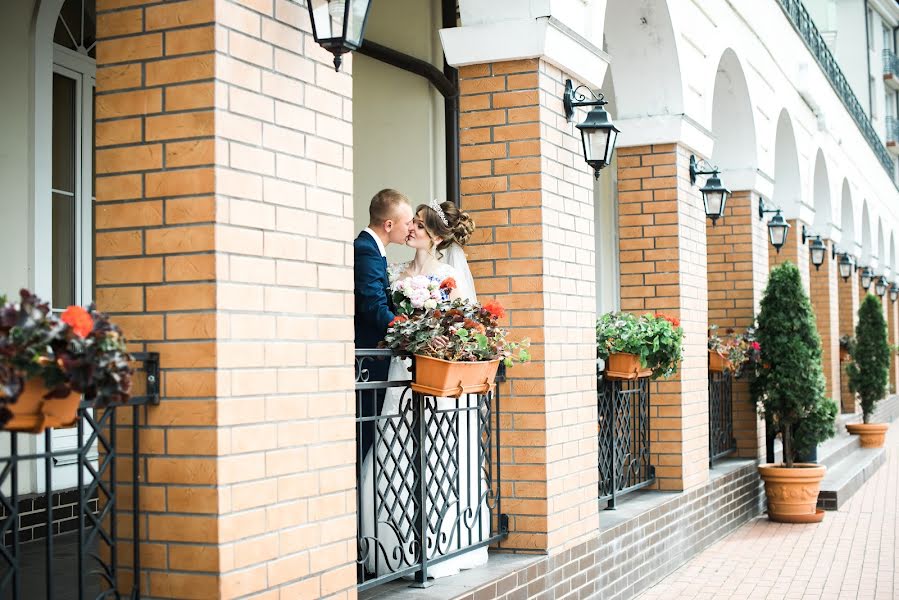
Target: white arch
821,195
847,219
733,124
867,235
881,246
787,183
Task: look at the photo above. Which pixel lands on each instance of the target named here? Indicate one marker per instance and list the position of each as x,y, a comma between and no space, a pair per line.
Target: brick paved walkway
851,555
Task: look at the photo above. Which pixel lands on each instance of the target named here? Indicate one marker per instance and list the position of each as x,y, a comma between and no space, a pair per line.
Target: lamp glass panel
879,288
866,280
595,141
356,21
713,203
610,147
845,268
327,15
777,234
817,255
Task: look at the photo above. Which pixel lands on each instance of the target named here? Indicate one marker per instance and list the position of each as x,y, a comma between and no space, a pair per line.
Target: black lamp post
880,286
778,228
867,276
894,292
714,195
598,133
338,25
845,265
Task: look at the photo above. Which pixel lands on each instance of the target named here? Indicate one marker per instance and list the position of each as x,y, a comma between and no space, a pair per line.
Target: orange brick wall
737,274
825,296
892,322
224,221
662,244
848,314
531,194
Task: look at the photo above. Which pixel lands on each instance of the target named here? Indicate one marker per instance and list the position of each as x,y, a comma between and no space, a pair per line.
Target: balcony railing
892,131
806,28
890,68
92,554
428,491
623,413
721,415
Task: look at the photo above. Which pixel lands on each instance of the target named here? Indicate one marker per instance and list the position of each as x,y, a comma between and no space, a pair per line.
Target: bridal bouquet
457,331
419,293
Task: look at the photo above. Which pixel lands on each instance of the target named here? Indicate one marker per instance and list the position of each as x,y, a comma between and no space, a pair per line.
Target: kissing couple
388,542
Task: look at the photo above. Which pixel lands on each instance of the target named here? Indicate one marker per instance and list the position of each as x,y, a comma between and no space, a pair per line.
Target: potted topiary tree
869,369
789,385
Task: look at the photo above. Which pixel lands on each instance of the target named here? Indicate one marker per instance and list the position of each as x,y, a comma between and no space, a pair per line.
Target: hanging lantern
778,229
880,286
845,266
817,250
894,291
867,276
714,194
338,25
598,133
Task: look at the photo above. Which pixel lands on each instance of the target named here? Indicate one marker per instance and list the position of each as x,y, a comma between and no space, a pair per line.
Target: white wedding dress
457,491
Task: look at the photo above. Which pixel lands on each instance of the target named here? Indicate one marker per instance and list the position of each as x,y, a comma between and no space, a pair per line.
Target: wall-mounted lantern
598,133
714,195
846,265
894,291
880,286
338,25
866,277
817,249
778,228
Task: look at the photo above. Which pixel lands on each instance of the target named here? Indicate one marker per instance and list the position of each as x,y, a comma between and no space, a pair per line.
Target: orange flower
79,320
398,319
448,284
495,308
673,320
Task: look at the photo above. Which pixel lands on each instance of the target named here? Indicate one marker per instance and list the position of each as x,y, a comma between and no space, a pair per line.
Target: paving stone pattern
852,554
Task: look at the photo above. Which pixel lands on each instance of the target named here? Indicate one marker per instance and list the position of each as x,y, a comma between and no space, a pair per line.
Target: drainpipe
868,58
451,115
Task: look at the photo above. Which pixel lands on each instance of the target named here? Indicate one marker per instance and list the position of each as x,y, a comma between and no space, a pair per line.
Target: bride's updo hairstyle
458,227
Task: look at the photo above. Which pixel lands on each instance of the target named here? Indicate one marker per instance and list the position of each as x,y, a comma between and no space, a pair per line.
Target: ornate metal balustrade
890,64
91,559
428,492
892,129
806,28
721,415
623,413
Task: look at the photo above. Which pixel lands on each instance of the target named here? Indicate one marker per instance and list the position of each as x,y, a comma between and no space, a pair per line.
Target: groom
390,221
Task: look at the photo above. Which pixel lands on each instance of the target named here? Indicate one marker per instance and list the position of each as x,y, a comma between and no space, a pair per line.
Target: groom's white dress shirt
377,241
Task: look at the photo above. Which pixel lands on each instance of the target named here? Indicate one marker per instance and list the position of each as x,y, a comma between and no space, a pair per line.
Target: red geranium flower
79,320
448,284
673,320
495,308
756,346
398,319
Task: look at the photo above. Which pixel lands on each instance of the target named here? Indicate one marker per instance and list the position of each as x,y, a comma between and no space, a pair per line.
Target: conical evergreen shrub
869,369
790,381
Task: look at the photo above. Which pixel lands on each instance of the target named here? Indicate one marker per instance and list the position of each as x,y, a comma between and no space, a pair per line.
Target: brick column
528,189
224,218
737,272
824,297
848,313
892,336
662,233
793,250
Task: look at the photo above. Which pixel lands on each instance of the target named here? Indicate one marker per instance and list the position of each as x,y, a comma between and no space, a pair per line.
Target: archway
821,197
732,124
847,220
787,183
867,235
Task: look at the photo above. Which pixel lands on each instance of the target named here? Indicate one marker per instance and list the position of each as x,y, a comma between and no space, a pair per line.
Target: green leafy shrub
789,382
656,338
870,354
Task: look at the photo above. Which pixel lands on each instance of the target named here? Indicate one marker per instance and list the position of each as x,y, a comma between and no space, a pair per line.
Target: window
889,106
887,38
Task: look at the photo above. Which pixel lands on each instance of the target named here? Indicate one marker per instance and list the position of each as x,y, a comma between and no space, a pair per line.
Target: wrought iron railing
892,129
86,556
890,63
806,28
428,474
623,413
721,415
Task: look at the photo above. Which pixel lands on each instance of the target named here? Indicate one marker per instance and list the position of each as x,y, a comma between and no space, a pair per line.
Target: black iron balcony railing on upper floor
428,474
623,428
90,553
890,68
892,131
806,28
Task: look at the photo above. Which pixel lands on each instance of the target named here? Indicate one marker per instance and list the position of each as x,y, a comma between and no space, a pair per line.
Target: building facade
199,169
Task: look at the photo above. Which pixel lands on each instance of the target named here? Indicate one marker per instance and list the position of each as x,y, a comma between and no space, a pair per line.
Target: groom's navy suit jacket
373,308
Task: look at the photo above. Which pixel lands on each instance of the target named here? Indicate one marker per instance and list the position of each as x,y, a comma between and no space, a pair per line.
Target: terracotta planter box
872,434
844,355
32,414
447,379
793,493
718,363
622,365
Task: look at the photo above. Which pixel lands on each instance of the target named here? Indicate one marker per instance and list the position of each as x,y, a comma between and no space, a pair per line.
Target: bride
456,506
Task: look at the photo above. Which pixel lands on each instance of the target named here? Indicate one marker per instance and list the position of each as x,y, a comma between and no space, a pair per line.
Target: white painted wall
398,138
16,67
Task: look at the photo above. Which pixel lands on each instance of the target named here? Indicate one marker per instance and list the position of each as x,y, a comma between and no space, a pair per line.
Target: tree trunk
788,446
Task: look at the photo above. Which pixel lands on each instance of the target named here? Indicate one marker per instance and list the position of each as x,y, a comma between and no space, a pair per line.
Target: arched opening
881,249
732,125
867,235
847,220
787,185
821,197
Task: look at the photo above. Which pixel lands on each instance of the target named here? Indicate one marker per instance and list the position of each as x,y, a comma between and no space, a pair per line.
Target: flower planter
793,493
844,355
443,378
622,365
31,413
719,364
872,434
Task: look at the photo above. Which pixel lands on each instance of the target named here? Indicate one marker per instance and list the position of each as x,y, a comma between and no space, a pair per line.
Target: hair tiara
435,206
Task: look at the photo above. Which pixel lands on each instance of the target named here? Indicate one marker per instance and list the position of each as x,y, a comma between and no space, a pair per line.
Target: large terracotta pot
32,414
844,355
872,434
448,379
623,365
718,363
793,493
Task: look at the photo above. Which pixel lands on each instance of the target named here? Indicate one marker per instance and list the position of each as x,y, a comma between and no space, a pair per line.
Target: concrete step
845,477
